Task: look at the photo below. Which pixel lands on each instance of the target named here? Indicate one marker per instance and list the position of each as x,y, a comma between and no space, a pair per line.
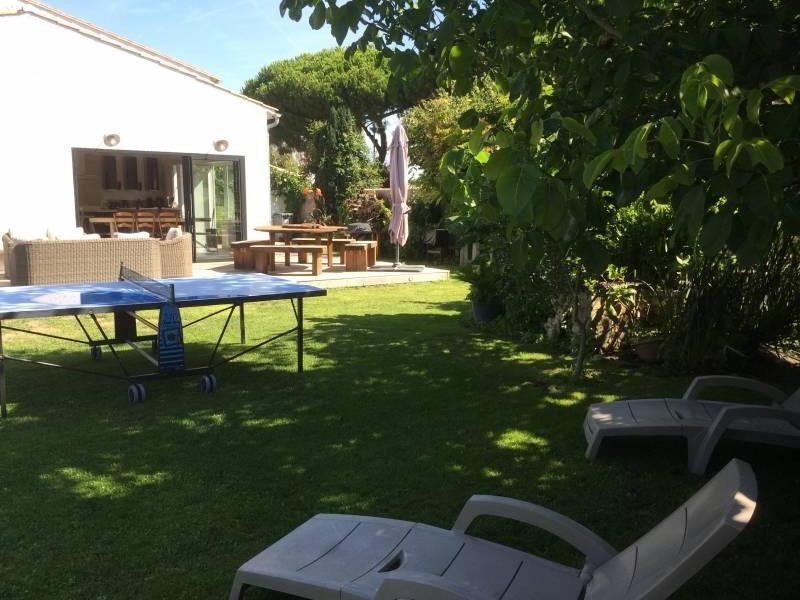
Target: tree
305,88
433,129
340,163
593,120
582,77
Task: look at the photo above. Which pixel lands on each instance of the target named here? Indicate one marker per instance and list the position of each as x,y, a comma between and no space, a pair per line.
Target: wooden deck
336,276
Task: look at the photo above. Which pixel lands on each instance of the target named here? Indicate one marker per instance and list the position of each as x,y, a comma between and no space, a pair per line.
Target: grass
403,411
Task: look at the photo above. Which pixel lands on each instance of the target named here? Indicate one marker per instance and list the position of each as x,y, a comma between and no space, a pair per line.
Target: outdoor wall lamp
111,139
220,145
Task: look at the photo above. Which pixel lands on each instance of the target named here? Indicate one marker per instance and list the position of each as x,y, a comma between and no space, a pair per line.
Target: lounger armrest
699,384
424,586
723,420
594,548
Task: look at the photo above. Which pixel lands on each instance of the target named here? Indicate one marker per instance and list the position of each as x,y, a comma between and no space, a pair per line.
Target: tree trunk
376,132
581,319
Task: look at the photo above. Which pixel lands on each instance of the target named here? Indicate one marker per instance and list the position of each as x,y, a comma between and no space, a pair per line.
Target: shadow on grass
402,415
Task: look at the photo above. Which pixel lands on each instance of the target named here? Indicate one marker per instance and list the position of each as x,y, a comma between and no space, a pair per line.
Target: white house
91,122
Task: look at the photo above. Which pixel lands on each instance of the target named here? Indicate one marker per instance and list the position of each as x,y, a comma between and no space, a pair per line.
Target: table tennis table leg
3,410
299,335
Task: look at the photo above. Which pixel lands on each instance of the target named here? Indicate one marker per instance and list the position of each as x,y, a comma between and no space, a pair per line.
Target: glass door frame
187,164
188,191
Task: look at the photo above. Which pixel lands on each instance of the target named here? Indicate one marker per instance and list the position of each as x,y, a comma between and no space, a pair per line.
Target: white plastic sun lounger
341,557
701,422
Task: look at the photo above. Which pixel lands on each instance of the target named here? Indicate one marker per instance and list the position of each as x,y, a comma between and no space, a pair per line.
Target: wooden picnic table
318,232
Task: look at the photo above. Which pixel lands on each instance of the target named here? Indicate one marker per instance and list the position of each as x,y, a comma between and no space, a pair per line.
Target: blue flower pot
486,311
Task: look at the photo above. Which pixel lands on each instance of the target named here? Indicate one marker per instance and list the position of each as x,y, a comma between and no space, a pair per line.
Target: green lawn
403,411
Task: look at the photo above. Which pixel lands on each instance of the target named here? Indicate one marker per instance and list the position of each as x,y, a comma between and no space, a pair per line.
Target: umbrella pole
397,254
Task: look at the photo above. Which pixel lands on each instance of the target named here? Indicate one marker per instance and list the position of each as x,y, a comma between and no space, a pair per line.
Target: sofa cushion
173,233
139,235
65,233
26,234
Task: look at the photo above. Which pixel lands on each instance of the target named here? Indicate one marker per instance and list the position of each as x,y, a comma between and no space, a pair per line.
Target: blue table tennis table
130,295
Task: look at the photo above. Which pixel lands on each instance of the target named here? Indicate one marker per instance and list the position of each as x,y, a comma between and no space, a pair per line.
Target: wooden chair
125,221
147,220
167,219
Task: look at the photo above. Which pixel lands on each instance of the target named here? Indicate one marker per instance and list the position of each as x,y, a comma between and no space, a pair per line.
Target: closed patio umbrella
398,183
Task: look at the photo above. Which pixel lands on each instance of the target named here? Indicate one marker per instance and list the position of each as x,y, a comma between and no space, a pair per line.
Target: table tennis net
165,291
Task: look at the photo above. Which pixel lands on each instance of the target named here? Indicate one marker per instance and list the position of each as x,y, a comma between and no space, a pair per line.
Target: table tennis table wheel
208,383
136,393
96,352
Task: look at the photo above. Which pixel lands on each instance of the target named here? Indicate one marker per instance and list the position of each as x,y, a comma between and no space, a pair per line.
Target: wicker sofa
86,260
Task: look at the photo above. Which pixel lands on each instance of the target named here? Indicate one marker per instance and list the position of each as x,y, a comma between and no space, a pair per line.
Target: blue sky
231,39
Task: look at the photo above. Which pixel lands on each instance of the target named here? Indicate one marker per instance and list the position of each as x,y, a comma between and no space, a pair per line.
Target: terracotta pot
648,350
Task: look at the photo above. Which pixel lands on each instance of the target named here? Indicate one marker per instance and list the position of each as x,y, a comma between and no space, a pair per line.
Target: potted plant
484,291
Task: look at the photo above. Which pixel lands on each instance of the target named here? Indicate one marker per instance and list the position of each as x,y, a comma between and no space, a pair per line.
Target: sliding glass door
216,207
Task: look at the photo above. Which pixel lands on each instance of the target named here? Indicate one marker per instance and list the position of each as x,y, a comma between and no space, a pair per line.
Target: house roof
53,15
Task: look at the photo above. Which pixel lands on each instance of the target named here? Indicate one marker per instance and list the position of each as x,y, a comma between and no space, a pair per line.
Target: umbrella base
400,268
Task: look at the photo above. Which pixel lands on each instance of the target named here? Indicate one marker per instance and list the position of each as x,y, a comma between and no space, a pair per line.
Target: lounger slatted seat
703,423
333,557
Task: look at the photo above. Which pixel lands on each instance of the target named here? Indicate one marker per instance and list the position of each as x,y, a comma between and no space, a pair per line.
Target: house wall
61,89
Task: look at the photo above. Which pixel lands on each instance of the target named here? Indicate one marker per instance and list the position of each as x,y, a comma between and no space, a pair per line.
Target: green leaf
730,115
668,140
580,129
661,188
688,97
449,167
691,210
317,18
716,231
596,166
515,189
618,161
482,157
756,243
339,26
593,254
498,162
785,87
722,151
762,151
640,146
504,139
475,143
550,210
683,174
460,60
753,105
636,143
468,119
629,147
732,156
519,251
537,127
720,66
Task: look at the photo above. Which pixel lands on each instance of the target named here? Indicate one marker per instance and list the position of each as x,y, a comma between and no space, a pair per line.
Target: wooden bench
264,256
372,251
359,256
338,246
243,258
